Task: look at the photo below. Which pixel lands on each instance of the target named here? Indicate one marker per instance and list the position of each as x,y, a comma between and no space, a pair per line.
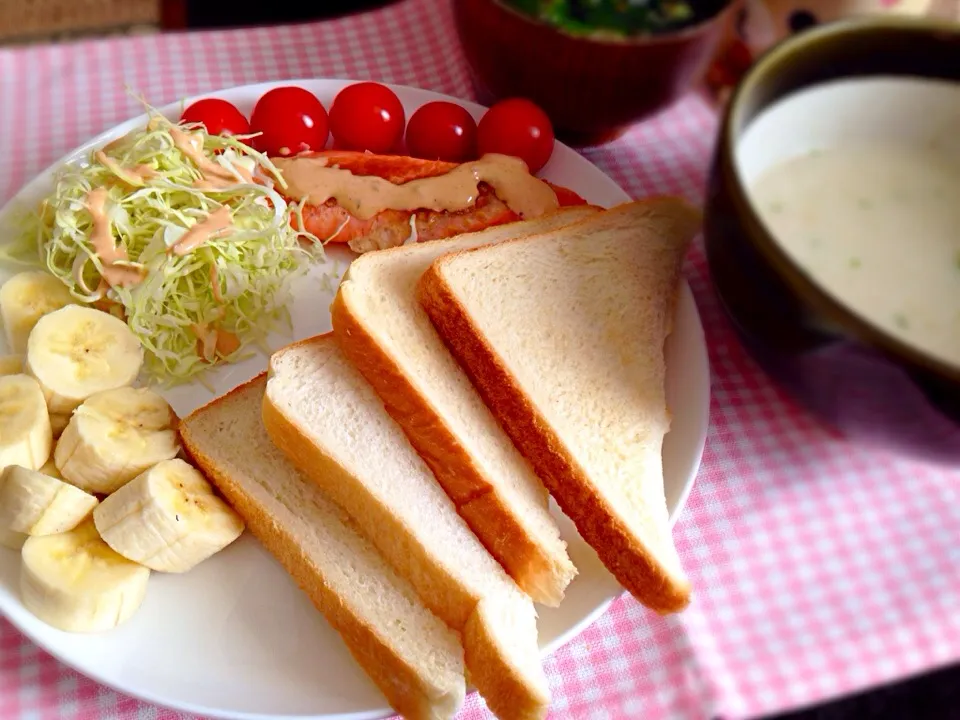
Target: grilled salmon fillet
332,223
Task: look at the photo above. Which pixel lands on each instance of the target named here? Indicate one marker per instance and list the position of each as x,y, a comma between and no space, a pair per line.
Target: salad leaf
237,283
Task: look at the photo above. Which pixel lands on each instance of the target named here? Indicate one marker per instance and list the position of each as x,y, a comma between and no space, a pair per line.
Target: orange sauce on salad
135,176
105,246
215,176
214,226
365,196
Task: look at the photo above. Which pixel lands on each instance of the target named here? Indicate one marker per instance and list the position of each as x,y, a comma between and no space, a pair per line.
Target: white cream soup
875,220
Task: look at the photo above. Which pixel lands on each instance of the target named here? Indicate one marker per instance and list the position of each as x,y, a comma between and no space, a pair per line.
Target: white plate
235,638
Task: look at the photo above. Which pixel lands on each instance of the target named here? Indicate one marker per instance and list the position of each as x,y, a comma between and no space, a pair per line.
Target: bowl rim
799,280
685,33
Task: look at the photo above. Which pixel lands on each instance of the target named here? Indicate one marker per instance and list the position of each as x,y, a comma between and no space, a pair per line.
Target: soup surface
877,224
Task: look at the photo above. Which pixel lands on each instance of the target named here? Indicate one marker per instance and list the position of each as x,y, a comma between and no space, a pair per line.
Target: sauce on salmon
365,196
367,201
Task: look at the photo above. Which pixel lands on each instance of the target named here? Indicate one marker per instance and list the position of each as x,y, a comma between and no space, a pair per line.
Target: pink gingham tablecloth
819,568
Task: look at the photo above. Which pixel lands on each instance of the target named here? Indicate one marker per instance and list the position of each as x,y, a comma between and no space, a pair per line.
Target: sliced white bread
563,335
388,337
411,655
328,420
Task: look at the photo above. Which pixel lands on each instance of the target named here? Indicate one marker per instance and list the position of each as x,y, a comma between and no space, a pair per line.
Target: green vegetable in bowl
182,234
623,17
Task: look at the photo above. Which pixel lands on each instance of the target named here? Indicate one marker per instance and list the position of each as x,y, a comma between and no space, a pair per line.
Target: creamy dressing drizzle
214,183
365,196
215,284
215,176
132,176
214,226
105,247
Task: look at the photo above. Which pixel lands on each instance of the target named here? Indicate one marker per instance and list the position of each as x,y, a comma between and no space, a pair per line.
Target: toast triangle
330,423
382,329
409,653
563,335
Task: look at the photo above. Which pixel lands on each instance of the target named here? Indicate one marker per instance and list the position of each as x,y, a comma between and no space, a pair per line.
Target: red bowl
591,88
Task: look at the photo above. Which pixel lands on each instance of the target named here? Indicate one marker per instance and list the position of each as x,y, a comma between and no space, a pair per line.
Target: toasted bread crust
629,562
485,510
404,689
500,684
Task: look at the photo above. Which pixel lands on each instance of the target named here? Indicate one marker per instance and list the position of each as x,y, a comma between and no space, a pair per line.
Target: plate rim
476,109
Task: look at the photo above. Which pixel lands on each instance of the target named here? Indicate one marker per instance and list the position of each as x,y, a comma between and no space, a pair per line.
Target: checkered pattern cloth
820,568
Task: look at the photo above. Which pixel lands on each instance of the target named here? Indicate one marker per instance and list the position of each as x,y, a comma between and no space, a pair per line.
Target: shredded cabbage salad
234,286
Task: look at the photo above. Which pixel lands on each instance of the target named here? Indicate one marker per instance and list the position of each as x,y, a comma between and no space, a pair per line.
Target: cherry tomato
367,116
442,131
218,116
291,121
517,127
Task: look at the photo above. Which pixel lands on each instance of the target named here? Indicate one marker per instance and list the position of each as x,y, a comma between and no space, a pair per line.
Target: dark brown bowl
865,382
591,89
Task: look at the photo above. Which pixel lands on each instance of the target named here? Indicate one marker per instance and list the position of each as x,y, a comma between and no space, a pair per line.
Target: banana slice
24,299
114,436
25,435
78,351
12,540
37,504
15,540
75,582
58,423
168,518
11,364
